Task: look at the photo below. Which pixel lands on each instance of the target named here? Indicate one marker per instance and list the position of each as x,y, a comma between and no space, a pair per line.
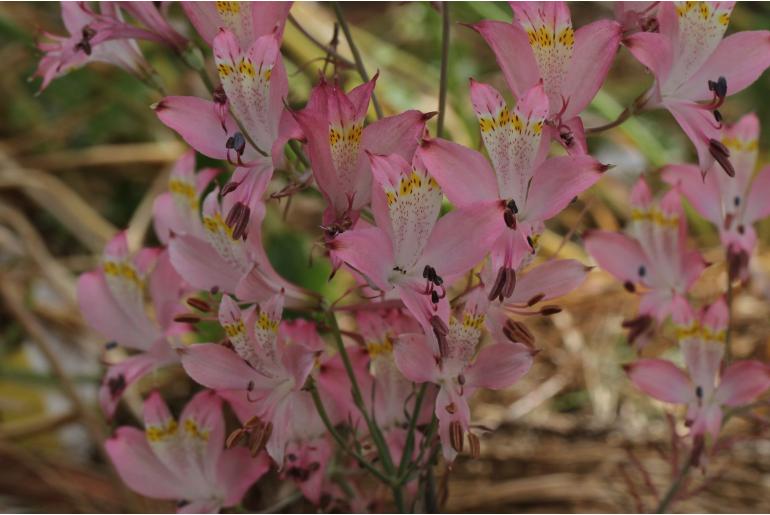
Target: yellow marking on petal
381,348
159,433
224,69
391,197
228,8
216,224
655,216
124,270
234,329
517,124
246,67
193,430
724,18
186,191
473,321
700,331
567,37
266,323
740,145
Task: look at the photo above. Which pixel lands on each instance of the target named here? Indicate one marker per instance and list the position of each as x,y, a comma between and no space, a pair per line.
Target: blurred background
88,156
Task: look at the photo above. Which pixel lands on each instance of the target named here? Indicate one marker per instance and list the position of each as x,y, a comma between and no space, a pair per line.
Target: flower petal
742,382
498,366
662,380
617,254
197,121
549,280
414,358
217,367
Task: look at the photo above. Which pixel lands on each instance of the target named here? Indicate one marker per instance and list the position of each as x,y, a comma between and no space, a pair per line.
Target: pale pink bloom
265,371
637,16
733,205
522,188
411,250
88,41
231,260
702,388
185,461
177,211
253,86
112,302
247,20
155,26
541,45
459,370
332,125
695,69
653,256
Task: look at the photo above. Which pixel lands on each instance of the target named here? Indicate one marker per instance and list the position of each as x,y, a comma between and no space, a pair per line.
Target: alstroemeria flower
332,123
156,27
185,461
220,260
177,211
522,188
637,16
540,44
111,301
247,20
86,43
254,86
695,70
653,254
702,388
264,371
457,373
409,250
734,204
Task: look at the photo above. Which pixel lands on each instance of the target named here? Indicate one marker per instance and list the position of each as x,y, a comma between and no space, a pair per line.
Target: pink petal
202,427
138,466
369,252
702,359
514,55
757,207
662,380
257,20
101,311
549,280
121,376
498,366
700,127
702,193
742,382
166,290
399,134
654,51
595,47
197,122
237,470
201,265
217,367
617,254
556,182
740,58
414,358
464,175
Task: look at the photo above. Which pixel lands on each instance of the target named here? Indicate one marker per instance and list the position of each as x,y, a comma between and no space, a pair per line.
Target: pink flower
733,205
88,41
185,461
247,20
637,16
265,371
702,388
695,69
177,211
455,370
522,188
541,45
653,255
156,27
112,302
409,250
231,259
332,125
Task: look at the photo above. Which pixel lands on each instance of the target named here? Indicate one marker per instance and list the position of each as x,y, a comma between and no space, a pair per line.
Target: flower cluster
441,296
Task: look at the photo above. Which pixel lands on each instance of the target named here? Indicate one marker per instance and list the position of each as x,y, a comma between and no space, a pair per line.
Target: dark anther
182,503
637,326
456,435
737,201
498,285
214,290
291,457
737,262
531,243
111,345
230,187
721,154
550,310
198,304
236,142
642,271
238,219
85,43
510,284
565,133
116,385
219,95
187,318
741,229
699,392
512,206
461,379
534,300
504,284
518,333
441,330
428,272
719,87
650,24
717,116
629,286
438,280
510,218
434,298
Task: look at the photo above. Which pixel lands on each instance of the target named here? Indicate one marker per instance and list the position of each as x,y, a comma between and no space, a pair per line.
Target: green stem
406,457
444,65
338,438
674,488
356,55
326,48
